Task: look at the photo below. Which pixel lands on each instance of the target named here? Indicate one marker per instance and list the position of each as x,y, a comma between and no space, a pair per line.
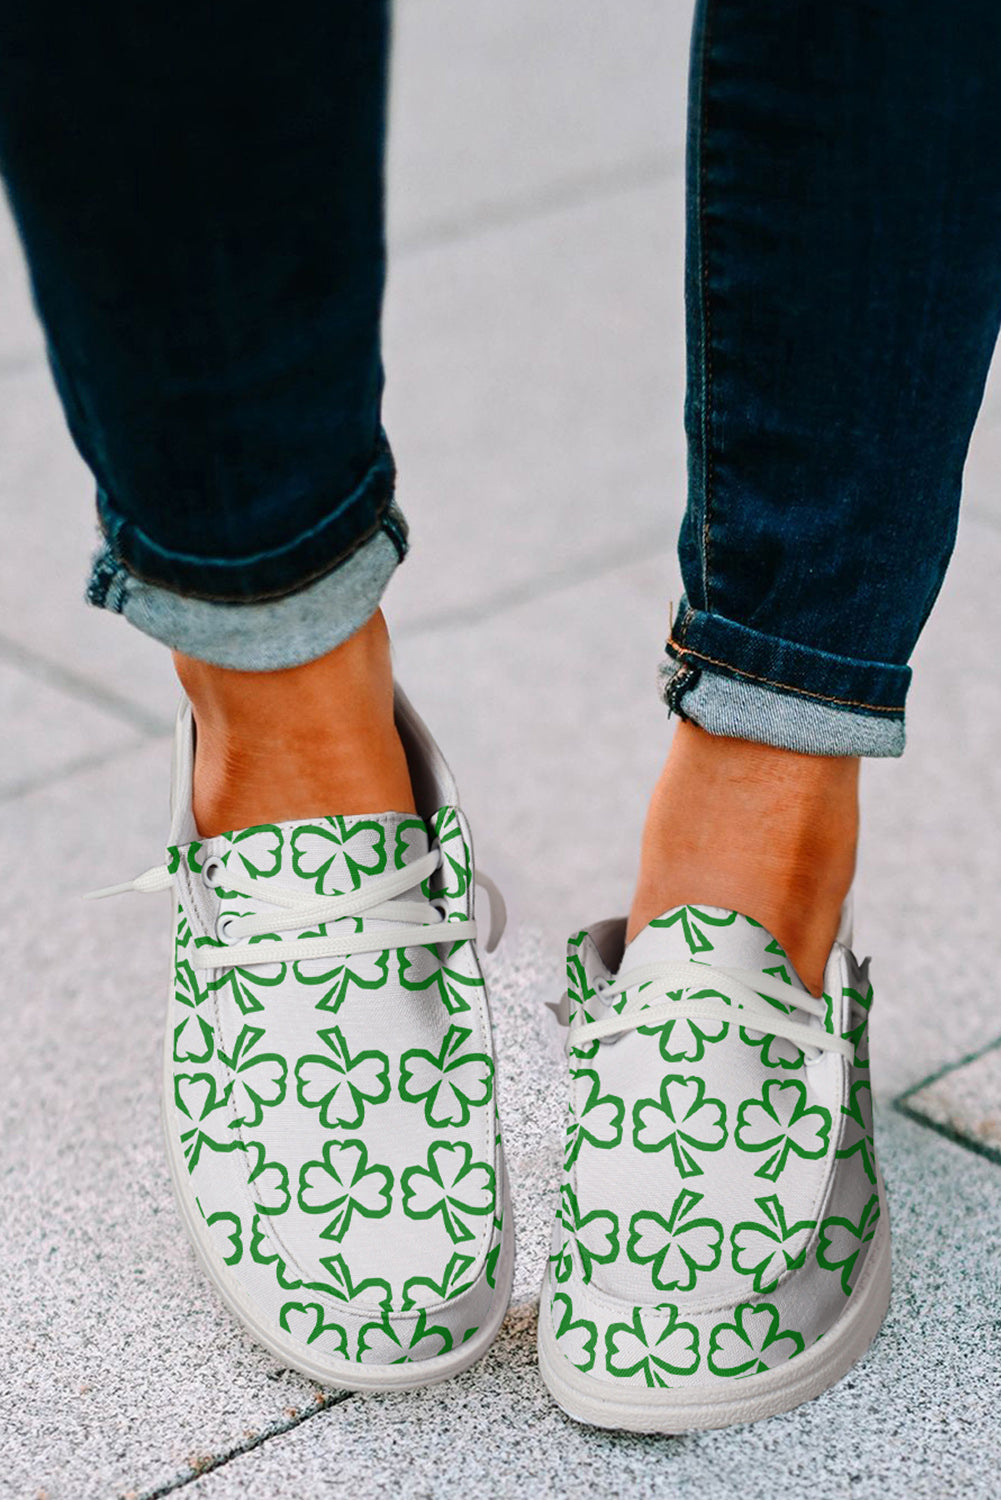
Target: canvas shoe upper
721,1246
329,1082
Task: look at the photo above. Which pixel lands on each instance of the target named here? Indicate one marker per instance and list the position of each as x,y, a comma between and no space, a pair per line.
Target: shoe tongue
709,935
327,856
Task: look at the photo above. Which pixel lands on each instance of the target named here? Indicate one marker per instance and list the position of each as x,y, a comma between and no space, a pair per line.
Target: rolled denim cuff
735,681
259,636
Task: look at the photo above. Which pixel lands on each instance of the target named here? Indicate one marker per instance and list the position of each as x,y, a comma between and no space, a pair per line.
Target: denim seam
706,317
876,708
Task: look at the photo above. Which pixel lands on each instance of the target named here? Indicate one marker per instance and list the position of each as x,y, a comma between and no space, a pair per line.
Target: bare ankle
301,742
766,832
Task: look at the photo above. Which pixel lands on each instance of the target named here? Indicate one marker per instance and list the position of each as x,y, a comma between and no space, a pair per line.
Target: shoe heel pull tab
560,1008
846,924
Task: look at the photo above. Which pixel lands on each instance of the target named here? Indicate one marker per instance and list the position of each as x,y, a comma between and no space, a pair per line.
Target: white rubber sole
344,1374
600,1403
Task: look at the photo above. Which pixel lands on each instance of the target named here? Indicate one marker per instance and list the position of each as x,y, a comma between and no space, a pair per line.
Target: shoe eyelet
222,927
211,871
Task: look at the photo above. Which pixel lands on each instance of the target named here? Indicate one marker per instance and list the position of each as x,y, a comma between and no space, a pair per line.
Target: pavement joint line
544,587
902,1104
542,203
247,1445
29,784
75,685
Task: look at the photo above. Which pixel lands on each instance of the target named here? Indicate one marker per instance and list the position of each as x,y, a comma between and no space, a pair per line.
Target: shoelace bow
413,922
711,995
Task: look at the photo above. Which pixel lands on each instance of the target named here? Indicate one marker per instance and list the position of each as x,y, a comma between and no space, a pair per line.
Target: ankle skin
303,742
766,832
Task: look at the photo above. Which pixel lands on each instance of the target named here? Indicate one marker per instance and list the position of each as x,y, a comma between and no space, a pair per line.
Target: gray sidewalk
535,355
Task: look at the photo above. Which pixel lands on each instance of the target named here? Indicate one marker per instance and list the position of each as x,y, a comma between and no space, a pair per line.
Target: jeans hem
259,636
742,710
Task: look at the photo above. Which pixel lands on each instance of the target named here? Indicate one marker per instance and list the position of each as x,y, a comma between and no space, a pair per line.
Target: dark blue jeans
199,191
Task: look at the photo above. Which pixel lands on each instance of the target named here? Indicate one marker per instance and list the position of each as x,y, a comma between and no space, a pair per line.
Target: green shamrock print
453,878
598,1121
335,853
399,1341
587,1238
187,990
194,1040
655,1345
307,1321
424,1291
858,1140
677,1248
580,993
682,1118
372,1291
256,852
363,971
259,1078
227,1235
842,1242
451,1083
267,1181
198,1100
343,1184
753,1342
263,1253
767,1251
424,969
577,1339
776,1051
781,1122
247,987
685,1040
341,1086
858,1034
451,1184
696,926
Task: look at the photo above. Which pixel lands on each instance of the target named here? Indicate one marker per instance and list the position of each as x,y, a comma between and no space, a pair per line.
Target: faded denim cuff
738,682
260,636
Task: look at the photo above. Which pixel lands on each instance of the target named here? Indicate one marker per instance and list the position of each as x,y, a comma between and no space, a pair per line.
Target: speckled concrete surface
536,217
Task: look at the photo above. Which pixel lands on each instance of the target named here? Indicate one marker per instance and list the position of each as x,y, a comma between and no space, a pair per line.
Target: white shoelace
412,923
719,991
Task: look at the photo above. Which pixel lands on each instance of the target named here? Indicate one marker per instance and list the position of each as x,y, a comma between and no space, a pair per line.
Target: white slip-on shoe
329,1082
721,1250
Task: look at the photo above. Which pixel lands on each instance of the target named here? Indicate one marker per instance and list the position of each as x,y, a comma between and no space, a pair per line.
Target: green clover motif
307,1321
696,925
451,1184
577,1338
655,1345
598,1122
342,1184
185,854
198,1100
187,990
194,1040
767,1251
259,1079
365,971
263,1254
257,849
685,1040
455,984
782,1122
335,853
371,1291
580,993
858,1138
451,1082
341,1086
776,1051
267,1181
453,878
400,1341
858,1034
247,987
677,1248
587,1238
682,1118
753,1342
842,1242
227,1236
424,1291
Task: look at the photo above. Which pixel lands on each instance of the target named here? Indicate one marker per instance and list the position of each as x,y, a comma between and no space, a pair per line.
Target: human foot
762,831
722,1213
275,746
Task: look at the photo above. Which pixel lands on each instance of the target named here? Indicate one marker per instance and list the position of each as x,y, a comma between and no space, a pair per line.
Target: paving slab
963,1101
